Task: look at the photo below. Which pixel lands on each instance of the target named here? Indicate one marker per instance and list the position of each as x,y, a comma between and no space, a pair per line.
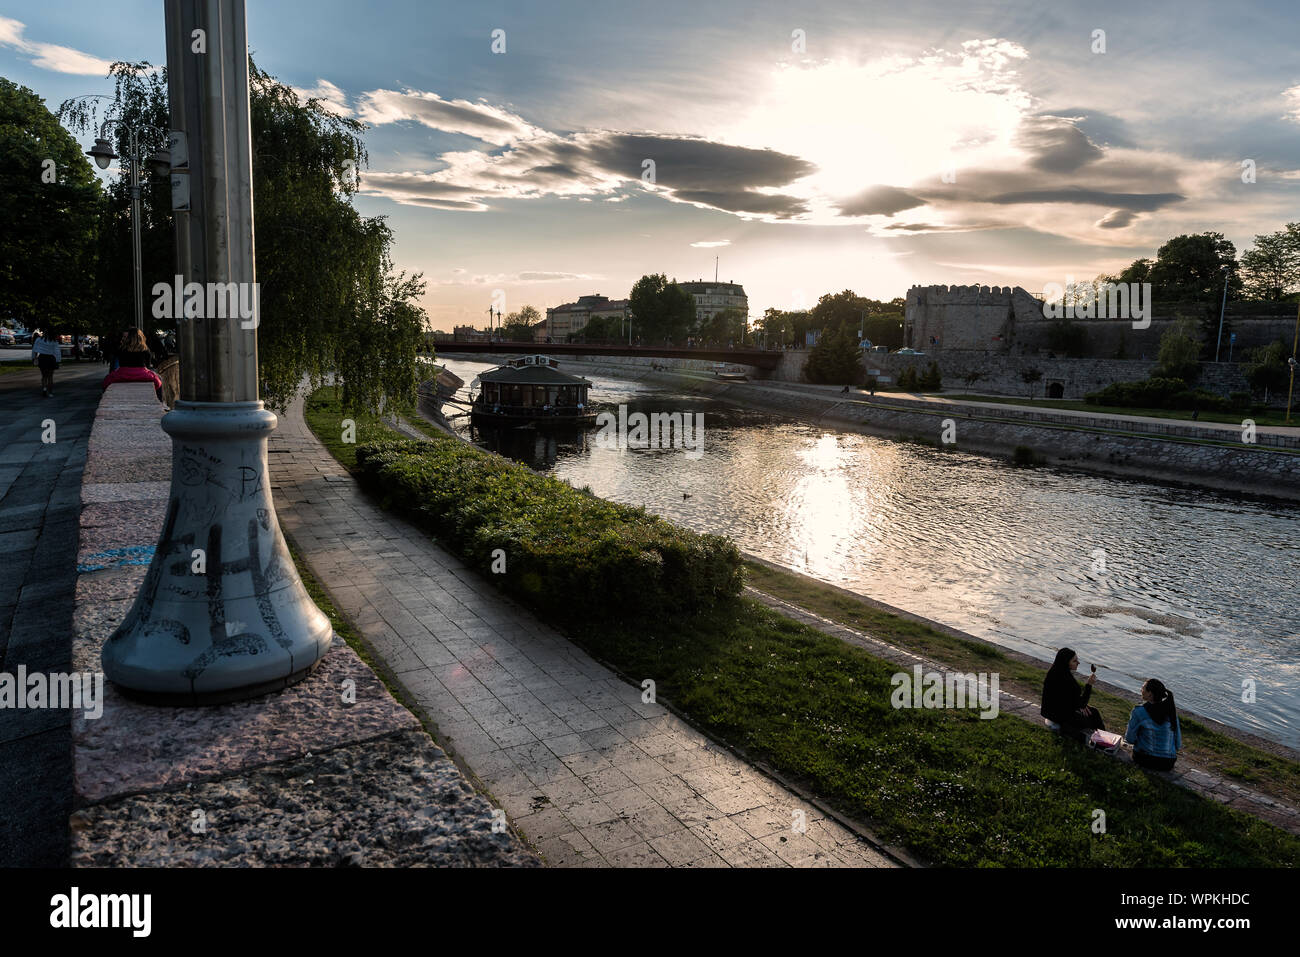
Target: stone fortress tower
996,333
973,318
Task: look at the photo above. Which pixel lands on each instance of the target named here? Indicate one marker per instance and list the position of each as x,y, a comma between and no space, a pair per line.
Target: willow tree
330,300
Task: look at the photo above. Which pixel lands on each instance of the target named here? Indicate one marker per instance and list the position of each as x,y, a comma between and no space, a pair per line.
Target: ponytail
1162,708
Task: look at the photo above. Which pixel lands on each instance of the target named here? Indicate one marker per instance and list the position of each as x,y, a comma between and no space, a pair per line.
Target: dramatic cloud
734,179
1056,145
479,120
1117,220
1135,202
880,201
50,56
836,142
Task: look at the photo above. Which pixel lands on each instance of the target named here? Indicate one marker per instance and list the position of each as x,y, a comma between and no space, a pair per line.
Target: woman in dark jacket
1065,702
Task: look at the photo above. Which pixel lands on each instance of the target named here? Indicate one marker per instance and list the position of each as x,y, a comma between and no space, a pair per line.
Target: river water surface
1197,588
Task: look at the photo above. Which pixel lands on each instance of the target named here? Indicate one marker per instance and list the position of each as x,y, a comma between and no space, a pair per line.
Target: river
1196,588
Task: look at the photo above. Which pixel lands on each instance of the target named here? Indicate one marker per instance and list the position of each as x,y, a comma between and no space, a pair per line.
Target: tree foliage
1266,367
50,207
662,309
519,326
1189,268
836,359
1271,268
1180,352
331,301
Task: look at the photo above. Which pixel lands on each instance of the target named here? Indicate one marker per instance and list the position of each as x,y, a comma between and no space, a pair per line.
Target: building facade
712,298
571,318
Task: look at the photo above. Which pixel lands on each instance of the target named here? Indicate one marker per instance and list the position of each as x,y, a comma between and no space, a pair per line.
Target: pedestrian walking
47,355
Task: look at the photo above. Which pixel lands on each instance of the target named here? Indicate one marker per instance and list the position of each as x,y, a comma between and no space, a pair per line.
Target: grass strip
1263,418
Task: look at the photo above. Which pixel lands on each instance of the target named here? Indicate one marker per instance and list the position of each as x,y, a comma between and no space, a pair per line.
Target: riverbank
1202,455
729,685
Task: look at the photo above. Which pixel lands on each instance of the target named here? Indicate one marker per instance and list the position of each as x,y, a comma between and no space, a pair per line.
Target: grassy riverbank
954,789
1207,748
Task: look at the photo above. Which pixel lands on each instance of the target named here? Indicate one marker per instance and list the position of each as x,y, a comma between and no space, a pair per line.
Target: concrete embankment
1186,454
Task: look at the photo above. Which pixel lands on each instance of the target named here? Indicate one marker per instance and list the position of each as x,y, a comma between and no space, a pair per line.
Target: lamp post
160,160
1295,344
222,614
1227,274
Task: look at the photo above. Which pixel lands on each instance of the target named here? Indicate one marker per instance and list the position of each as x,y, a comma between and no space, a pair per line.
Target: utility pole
1227,274
1295,344
222,614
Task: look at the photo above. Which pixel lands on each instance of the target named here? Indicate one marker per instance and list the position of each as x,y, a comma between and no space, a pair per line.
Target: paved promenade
40,499
585,770
331,771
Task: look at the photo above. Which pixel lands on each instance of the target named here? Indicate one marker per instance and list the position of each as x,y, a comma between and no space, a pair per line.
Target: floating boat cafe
531,391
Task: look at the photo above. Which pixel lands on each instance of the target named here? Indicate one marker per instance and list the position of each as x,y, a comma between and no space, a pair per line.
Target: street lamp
159,161
1295,345
222,614
1227,274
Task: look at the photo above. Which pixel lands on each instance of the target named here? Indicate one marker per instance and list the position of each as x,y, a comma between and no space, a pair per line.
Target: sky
810,147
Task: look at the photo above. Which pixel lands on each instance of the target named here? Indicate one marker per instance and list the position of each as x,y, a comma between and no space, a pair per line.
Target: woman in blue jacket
1153,728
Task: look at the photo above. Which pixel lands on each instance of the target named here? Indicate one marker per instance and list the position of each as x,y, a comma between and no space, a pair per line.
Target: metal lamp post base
223,614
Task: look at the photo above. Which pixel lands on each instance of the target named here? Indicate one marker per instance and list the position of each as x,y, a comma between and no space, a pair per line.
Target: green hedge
568,554
1158,393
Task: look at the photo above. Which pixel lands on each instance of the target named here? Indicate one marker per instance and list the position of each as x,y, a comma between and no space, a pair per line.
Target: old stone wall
1073,378
1009,320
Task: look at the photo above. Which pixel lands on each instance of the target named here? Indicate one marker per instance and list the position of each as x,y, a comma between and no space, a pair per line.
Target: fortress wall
970,317
1077,377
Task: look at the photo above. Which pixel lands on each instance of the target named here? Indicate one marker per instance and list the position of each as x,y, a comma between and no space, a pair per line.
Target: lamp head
160,161
102,153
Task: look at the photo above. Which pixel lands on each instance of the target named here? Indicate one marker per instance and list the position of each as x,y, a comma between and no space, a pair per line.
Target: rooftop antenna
715,268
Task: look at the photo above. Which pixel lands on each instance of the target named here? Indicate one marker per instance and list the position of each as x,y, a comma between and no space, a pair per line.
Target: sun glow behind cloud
896,121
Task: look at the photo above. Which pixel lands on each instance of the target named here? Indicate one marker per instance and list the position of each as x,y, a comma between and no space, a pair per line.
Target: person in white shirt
47,354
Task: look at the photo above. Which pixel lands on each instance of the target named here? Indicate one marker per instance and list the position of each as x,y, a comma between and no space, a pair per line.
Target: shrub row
1160,393
567,553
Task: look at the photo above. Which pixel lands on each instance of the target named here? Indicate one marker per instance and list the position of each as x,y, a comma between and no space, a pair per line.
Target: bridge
758,358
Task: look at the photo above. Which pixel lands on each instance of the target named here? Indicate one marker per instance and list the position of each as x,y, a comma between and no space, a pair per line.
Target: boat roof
531,375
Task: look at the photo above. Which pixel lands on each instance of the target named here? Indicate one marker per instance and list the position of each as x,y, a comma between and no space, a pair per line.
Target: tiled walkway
590,774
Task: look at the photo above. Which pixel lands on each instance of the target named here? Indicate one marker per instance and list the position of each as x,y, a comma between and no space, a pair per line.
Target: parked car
22,338
908,352
7,340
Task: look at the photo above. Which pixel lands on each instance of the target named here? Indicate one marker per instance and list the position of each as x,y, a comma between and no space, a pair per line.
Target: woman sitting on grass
1153,728
1064,702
